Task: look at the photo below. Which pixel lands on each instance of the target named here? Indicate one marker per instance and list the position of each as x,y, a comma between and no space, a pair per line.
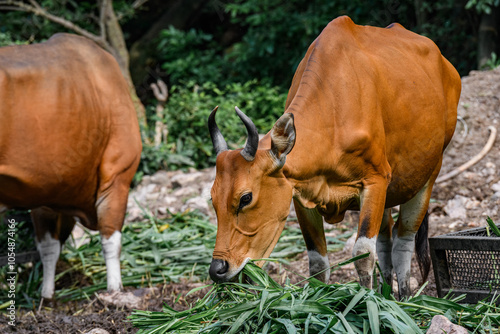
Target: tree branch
35,4
138,3
36,9
160,90
102,18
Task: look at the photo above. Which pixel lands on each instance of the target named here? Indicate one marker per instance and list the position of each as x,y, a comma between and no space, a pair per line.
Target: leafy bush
482,6
6,39
186,116
491,63
201,77
190,55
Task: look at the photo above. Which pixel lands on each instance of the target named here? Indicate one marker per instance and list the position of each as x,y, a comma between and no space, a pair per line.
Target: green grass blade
354,301
345,323
240,321
493,227
287,323
373,316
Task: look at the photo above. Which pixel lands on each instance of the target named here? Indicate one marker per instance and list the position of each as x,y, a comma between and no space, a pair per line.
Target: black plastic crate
467,262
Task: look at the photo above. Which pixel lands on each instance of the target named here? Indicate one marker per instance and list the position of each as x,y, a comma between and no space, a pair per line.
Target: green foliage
28,26
190,55
6,40
186,117
482,6
24,232
279,33
200,79
491,63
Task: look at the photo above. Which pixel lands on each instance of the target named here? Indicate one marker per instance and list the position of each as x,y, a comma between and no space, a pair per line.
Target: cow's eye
245,200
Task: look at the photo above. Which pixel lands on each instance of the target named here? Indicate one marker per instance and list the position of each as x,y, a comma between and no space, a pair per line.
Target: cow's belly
409,175
28,193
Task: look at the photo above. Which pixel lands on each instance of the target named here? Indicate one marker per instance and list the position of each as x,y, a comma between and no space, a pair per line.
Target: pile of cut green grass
267,307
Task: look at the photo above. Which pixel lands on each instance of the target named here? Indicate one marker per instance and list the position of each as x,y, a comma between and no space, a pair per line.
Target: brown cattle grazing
368,116
69,144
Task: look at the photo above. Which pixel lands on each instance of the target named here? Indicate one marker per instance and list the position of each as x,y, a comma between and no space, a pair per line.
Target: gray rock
455,208
182,180
129,300
161,177
97,331
441,325
496,187
197,203
496,196
183,192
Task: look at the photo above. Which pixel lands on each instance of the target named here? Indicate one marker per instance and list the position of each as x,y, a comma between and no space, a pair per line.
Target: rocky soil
460,203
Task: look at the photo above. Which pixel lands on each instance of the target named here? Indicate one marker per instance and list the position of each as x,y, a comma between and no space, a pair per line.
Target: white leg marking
111,249
365,266
317,263
402,250
364,245
403,246
49,249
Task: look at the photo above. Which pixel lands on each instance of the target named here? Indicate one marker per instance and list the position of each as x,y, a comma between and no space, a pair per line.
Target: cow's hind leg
384,246
311,224
52,229
111,207
409,222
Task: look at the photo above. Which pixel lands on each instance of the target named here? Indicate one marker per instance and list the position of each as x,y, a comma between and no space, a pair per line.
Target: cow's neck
318,175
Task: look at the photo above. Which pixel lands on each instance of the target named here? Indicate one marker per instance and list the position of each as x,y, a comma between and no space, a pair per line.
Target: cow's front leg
372,210
311,224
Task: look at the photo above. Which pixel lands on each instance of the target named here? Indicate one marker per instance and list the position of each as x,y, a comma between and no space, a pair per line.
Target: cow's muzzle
218,270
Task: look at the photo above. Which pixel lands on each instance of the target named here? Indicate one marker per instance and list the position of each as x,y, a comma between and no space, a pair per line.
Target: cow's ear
282,138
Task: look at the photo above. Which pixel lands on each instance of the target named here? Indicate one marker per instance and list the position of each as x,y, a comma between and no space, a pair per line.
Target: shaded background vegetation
244,53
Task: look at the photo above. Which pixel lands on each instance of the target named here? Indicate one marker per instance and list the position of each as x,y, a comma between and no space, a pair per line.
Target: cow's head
251,195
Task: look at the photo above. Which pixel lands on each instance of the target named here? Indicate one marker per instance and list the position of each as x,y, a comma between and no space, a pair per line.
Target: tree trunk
419,13
114,36
179,14
487,37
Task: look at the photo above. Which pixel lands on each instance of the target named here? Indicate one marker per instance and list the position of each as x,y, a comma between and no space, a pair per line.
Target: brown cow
69,144
368,116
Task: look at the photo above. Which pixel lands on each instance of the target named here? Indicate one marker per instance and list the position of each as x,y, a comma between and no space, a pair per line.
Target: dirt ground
459,203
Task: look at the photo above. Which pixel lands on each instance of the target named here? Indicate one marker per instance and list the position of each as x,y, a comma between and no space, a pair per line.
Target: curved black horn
253,136
218,141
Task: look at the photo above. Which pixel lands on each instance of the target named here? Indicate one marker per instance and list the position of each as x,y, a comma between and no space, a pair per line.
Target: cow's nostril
218,270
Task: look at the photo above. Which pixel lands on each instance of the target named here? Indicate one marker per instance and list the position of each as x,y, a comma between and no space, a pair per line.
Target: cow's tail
422,248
